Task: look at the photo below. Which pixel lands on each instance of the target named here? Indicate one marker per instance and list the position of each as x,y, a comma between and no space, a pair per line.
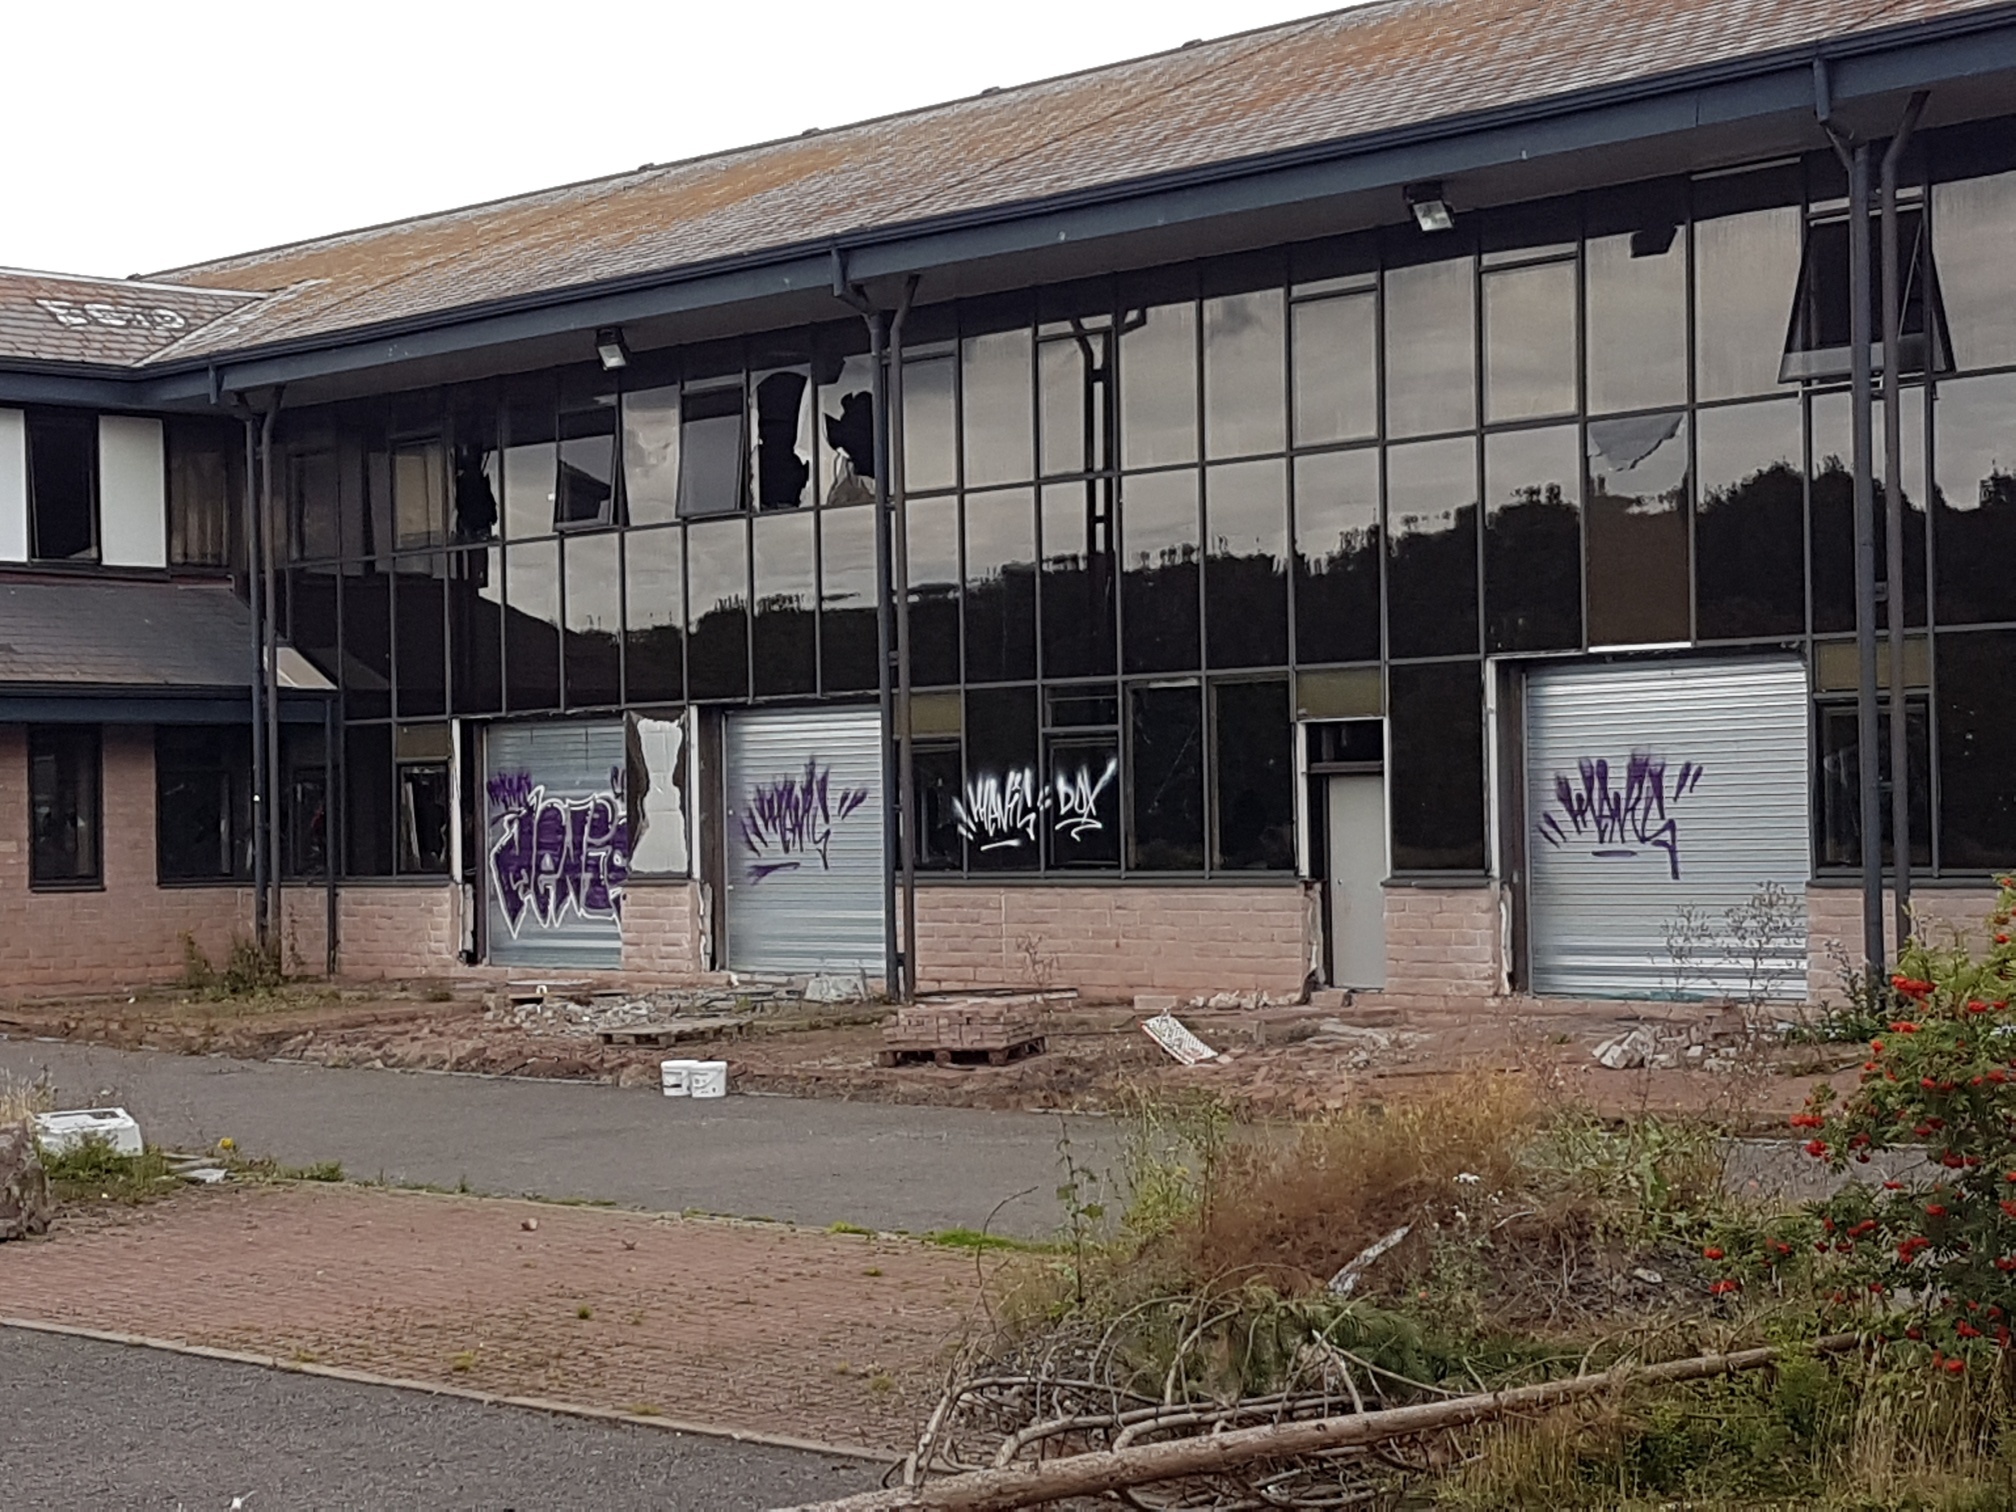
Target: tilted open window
1817,340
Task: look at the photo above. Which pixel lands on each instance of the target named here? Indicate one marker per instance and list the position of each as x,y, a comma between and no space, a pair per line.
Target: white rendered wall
132,492
13,486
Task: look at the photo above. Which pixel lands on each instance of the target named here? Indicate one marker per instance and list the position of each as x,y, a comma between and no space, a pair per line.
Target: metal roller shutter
804,841
556,845
1657,789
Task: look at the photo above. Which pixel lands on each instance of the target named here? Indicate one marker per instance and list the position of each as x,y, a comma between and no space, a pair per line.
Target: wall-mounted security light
1431,210
610,348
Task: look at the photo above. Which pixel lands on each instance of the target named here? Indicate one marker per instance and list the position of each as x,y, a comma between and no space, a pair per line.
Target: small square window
64,812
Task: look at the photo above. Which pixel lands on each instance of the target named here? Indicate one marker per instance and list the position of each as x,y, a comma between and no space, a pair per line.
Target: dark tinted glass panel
367,645
1839,799
64,806
1637,523
847,430
311,623
1158,587
651,455
783,403
1746,266
1253,768
1083,819
1431,523
474,464
1080,708
594,621
531,468
206,493
1634,270
1533,540
419,609
711,453
587,486
419,494
532,625
997,393
1336,369
1750,526
476,629
1001,812
310,478
63,485
1431,326
1077,393
1529,342
786,647
1166,770
1832,507
1078,579
367,807
1977,730
847,630
1001,586
654,636
936,771
1158,385
1435,738
930,455
1973,225
1977,499
717,610
934,591
202,802
1245,372
421,820
1337,557
1817,345
1246,564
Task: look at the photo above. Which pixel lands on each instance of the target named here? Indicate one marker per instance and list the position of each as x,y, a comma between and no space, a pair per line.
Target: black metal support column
899,591
1867,746
256,668
269,668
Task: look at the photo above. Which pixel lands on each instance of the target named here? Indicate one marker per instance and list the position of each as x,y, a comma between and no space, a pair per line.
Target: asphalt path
91,1424
794,1160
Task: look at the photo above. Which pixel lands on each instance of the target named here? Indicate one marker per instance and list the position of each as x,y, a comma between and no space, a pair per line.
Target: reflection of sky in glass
1977,435
1427,483
651,454
929,459
1745,267
593,574
783,561
1336,370
1972,219
1529,342
1429,328
1643,459
995,390
1000,533
652,562
847,558
1738,444
1158,519
716,554
1245,410
1158,387
1336,505
934,545
1246,509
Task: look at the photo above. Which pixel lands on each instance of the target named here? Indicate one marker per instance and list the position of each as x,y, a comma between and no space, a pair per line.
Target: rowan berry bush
1927,1255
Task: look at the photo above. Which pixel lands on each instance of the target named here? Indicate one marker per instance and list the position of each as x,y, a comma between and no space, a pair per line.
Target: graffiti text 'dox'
553,854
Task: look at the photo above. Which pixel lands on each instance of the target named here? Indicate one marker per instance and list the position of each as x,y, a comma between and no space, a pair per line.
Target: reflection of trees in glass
1433,576
1834,543
1533,571
1977,541
1750,541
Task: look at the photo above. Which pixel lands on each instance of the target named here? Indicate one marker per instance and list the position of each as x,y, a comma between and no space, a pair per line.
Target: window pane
1635,288
1973,222
997,394
202,802
594,621
1430,362
476,629
1158,587
419,495
711,453
367,645
654,636
1000,813
419,608
206,493
1336,369
786,644
1746,265
1839,843
1435,736
935,770
1749,532
1158,386
1431,524
934,591
1078,579
930,456
717,610
1637,511
1832,507
531,467
63,805
476,480
848,635
1166,768
1529,342
1533,540
63,485
651,455
1246,564
1245,408
1253,769
1977,730
1337,557
1077,400
311,619
847,431
1977,499
367,806
422,820
532,625
1083,818
587,487
783,406
1001,586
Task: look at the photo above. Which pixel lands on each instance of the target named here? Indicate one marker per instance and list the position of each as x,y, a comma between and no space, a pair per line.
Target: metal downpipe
899,530
270,672
257,646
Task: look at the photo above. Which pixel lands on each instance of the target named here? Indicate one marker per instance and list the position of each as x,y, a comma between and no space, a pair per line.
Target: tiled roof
123,635
51,317
1308,84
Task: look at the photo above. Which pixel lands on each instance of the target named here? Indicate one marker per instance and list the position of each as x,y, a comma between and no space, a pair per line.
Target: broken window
1816,342
64,815
783,438
847,427
63,486
421,754
711,452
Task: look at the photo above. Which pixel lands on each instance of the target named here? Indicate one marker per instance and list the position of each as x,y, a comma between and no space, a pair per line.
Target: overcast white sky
144,136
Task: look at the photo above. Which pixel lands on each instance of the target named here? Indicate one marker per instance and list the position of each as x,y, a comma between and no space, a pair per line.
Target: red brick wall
1114,941
1443,942
395,930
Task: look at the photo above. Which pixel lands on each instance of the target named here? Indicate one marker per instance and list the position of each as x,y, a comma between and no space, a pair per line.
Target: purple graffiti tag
1615,819
553,854
789,819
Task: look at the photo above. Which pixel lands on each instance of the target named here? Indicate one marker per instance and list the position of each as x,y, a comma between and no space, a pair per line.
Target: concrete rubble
1711,1044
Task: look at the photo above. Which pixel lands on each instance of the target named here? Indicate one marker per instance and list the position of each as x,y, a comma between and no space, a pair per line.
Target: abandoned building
1371,501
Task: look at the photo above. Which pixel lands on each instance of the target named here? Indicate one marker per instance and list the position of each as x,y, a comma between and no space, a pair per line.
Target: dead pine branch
1002,1489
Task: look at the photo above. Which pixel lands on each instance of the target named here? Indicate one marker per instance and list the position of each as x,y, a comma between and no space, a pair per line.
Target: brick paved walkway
836,1338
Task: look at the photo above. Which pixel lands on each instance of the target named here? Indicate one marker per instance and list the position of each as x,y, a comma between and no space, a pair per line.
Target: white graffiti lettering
1078,800
1001,813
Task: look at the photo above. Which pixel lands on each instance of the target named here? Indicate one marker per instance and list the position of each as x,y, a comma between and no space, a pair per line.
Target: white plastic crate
61,1132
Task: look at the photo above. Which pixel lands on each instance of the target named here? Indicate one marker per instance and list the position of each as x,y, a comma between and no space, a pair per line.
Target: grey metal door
804,840
1356,816
1659,798
556,846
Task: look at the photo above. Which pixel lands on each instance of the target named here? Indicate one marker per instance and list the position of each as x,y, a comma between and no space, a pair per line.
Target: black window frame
59,742
85,424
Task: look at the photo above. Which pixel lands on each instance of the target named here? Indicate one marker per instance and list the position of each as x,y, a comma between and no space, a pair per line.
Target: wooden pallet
661,1035
999,1055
